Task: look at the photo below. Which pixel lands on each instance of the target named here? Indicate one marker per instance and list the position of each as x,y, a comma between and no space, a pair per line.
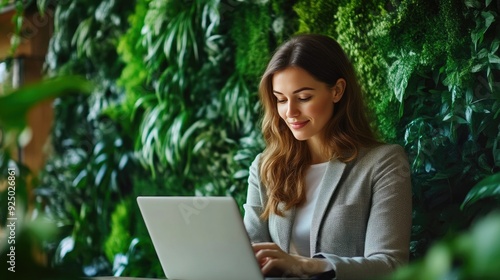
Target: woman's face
304,103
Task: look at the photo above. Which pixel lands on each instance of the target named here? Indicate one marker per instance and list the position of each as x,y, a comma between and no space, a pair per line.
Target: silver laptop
199,238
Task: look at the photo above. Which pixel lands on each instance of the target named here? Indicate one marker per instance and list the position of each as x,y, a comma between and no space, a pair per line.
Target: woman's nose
292,110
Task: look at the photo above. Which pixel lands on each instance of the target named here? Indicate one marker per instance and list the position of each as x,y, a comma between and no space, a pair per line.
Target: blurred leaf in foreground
474,254
14,106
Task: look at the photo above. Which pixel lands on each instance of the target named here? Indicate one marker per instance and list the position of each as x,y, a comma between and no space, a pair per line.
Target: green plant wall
358,30
175,111
450,104
88,173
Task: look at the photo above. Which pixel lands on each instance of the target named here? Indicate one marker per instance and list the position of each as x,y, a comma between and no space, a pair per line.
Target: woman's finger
269,253
264,245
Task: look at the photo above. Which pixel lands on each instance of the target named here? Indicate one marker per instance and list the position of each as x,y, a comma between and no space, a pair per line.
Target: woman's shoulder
385,148
256,160
381,151
255,165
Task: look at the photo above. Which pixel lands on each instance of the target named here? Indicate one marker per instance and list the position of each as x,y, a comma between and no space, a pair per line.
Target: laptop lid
199,237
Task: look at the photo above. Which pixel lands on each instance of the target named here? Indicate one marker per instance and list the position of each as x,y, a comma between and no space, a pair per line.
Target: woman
325,198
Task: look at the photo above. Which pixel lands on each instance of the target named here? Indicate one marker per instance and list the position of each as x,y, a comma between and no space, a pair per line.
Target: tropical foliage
174,111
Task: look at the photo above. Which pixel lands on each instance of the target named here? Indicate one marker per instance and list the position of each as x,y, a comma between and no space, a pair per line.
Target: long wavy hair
285,160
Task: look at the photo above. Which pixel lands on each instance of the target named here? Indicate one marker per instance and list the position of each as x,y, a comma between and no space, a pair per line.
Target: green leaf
494,46
473,4
493,59
437,261
99,178
478,67
65,246
468,114
485,252
15,105
489,18
402,73
123,162
189,133
42,6
241,174
81,37
489,187
476,37
79,181
483,53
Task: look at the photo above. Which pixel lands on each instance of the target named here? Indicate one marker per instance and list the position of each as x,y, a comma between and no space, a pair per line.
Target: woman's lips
298,125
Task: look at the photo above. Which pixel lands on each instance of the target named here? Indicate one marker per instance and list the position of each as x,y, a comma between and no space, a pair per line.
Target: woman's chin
300,137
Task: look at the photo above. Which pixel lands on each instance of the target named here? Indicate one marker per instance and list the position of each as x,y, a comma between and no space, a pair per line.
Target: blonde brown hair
285,160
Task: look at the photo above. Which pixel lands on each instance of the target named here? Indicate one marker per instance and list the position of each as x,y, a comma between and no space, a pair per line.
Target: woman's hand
275,262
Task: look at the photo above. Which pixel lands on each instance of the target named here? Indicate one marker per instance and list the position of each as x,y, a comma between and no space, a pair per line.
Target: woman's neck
318,154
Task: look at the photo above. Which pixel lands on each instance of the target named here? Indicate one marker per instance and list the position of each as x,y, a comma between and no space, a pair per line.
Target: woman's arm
257,229
388,228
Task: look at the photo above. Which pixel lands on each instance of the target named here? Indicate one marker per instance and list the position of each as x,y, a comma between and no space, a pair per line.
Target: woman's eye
304,99
281,100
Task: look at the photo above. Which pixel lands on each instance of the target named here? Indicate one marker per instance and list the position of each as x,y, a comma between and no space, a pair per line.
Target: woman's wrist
313,266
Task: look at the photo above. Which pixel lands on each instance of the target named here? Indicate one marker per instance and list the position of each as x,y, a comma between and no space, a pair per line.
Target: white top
301,230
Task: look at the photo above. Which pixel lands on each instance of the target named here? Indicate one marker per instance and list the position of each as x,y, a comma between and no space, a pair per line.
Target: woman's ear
338,90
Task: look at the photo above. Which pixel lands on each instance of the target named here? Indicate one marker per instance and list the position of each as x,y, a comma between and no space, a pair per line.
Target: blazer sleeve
257,229
389,221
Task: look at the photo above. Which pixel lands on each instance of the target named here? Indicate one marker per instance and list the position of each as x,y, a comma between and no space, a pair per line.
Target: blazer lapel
327,186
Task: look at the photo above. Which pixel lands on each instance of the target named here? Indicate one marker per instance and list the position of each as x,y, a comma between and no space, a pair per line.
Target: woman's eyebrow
295,91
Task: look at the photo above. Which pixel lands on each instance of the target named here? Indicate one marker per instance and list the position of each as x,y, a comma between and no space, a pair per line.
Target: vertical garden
174,110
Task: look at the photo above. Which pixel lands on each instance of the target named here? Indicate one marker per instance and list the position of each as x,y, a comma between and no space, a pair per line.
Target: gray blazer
362,219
